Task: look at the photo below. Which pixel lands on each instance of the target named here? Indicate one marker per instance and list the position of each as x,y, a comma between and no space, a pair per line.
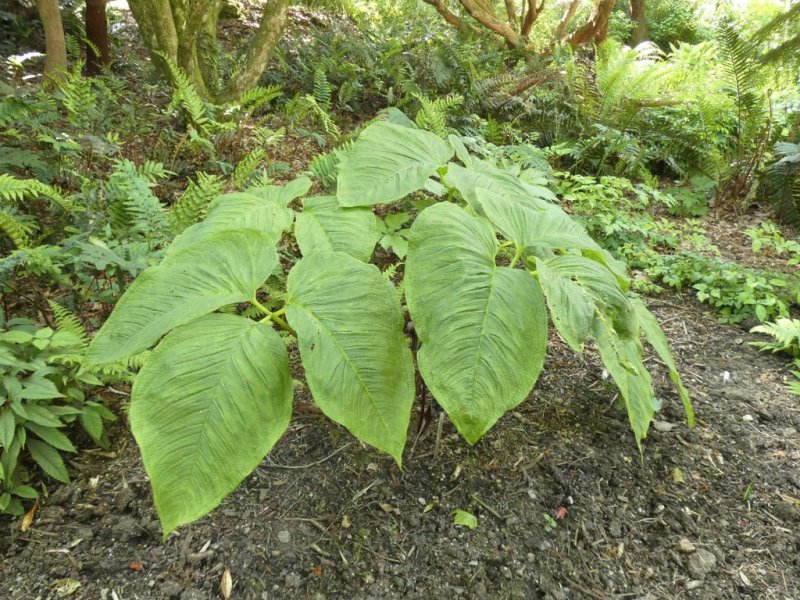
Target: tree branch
450,17
477,10
564,23
596,28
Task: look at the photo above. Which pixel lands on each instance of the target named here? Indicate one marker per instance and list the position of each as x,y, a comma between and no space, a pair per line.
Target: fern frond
785,333
433,114
12,189
322,89
68,322
14,230
197,111
191,206
246,166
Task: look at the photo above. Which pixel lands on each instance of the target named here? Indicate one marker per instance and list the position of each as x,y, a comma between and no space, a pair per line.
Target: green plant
477,307
42,390
786,336
767,235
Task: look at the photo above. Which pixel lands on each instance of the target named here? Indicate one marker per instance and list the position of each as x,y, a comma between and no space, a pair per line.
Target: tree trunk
185,32
641,32
55,62
272,24
596,28
98,50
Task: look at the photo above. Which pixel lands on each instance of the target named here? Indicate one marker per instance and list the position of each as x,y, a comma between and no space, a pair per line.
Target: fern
69,323
433,114
79,97
198,112
785,333
13,229
191,206
322,90
782,183
325,167
132,204
246,167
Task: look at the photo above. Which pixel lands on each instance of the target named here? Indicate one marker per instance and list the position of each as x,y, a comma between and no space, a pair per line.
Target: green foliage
767,235
433,114
785,333
782,183
477,306
43,390
191,206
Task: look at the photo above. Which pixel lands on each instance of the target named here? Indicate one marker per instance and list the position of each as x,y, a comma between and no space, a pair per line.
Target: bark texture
98,50
519,17
55,62
185,32
641,31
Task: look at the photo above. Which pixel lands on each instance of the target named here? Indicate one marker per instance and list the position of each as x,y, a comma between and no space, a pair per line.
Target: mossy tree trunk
55,62
186,33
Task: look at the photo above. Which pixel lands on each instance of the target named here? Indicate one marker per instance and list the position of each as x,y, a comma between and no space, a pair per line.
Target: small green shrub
43,389
477,306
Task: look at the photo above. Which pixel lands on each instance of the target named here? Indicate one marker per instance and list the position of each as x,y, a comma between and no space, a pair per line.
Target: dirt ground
565,506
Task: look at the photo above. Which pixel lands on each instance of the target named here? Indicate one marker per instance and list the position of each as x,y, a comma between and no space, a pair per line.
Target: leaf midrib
349,362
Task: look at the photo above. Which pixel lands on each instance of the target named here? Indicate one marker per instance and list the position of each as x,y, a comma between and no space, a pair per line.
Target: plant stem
517,256
260,306
283,324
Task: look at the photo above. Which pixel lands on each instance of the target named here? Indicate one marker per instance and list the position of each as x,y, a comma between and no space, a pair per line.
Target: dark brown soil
565,506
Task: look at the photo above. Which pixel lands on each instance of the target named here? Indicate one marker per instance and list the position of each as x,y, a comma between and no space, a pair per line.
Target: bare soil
566,507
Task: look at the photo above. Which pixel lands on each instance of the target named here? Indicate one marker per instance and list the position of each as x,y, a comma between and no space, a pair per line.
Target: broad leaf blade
49,459
239,210
597,283
324,226
227,268
571,308
482,328
282,195
531,228
210,402
623,359
388,162
656,338
350,331
499,183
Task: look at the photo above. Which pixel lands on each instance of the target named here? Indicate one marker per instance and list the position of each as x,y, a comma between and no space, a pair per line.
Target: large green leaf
282,195
623,359
388,162
596,283
324,226
531,228
498,182
227,267
656,338
212,399
238,211
482,328
350,331
571,308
